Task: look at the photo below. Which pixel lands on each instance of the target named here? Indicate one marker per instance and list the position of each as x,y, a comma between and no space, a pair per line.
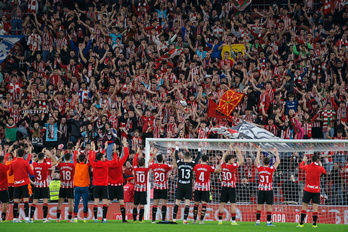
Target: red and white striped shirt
34,42
41,174
160,175
228,175
203,171
265,178
137,142
67,171
47,41
203,133
140,179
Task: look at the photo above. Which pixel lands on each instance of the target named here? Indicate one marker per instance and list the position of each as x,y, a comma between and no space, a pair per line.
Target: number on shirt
159,176
185,174
141,177
226,176
201,177
38,175
264,179
67,175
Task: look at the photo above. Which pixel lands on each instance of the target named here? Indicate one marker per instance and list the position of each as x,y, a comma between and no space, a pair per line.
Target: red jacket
3,177
20,169
116,169
100,170
128,192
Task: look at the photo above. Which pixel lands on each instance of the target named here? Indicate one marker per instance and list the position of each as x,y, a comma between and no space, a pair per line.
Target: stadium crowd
101,71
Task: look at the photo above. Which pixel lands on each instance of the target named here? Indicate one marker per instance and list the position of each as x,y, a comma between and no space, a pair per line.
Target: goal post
288,180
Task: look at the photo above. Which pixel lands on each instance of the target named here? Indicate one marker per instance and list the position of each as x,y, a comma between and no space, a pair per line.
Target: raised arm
257,159
176,157
199,155
125,152
239,156
303,164
277,162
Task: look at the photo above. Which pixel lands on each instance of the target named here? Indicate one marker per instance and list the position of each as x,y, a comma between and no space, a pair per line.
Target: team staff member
100,166
312,187
4,197
116,179
21,170
81,184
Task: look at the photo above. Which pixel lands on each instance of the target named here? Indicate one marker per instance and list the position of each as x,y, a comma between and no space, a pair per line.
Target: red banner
280,213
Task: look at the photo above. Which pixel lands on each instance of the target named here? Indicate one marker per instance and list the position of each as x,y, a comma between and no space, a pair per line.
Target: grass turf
148,226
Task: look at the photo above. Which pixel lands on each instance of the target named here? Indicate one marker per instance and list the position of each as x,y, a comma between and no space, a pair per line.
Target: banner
229,102
34,111
6,44
245,213
233,47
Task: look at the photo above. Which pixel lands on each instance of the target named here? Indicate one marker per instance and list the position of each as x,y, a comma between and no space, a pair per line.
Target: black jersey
185,169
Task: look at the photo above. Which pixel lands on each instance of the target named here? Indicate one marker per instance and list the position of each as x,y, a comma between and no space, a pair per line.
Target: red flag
229,102
212,113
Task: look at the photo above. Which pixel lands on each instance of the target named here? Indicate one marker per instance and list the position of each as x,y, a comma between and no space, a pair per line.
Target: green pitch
148,226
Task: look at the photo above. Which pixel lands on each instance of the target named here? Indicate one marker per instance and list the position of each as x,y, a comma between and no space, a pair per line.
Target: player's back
202,180
228,175
141,174
41,174
100,172
265,177
185,172
20,169
81,176
67,171
3,177
313,173
160,175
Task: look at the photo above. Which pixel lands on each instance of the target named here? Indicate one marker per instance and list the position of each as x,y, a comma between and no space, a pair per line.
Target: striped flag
241,4
6,44
170,54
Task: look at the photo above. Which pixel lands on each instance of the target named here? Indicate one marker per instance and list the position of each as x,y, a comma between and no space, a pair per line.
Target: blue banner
6,44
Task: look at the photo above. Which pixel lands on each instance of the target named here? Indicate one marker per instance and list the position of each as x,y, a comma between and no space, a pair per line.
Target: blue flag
6,44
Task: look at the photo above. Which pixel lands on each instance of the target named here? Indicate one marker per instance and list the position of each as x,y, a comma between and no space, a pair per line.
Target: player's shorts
101,192
265,197
66,193
140,198
228,194
10,192
41,193
116,192
4,197
20,192
184,191
201,196
160,194
308,196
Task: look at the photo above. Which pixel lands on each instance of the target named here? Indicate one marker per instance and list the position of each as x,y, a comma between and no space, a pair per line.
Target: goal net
288,180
